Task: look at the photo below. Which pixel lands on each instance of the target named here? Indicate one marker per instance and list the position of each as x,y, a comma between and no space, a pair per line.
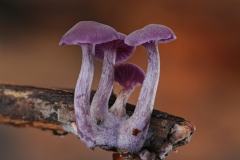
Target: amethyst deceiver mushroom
129,76
86,34
110,52
133,132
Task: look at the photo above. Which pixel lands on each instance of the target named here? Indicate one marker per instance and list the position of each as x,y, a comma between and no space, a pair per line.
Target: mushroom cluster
96,124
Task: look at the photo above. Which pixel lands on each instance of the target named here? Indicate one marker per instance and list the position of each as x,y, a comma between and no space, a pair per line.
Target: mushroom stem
99,106
82,95
150,84
134,130
118,109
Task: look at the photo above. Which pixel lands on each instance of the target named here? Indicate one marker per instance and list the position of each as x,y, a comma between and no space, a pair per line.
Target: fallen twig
53,109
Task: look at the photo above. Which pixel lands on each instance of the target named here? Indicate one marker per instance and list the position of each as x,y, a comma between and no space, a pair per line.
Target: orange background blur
200,71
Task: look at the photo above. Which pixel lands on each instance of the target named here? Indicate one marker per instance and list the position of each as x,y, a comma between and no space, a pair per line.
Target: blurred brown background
200,71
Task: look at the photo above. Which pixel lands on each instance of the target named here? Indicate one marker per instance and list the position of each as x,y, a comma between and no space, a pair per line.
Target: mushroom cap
123,50
89,32
151,32
128,75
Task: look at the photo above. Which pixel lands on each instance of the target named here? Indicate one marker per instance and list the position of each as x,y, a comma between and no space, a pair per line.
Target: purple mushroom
133,132
96,124
86,34
110,52
128,76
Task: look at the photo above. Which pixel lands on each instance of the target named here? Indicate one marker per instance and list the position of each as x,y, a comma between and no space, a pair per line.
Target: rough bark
52,109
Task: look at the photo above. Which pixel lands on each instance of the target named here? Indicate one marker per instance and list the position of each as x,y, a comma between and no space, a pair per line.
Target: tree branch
53,109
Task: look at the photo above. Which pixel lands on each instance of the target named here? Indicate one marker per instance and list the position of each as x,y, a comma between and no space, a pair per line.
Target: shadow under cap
123,51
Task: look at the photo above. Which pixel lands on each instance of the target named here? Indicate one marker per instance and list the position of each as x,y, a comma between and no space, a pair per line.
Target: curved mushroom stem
118,109
134,130
99,107
82,95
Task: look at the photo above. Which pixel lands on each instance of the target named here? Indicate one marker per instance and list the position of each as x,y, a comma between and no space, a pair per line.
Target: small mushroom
149,37
128,76
110,52
86,34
